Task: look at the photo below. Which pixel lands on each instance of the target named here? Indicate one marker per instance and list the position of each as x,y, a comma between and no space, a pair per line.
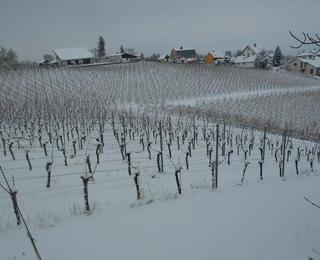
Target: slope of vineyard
152,85
115,126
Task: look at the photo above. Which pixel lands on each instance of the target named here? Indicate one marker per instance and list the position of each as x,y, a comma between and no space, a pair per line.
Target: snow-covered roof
312,53
73,53
165,56
218,54
315,62
244,59
186,53
184,49
116,55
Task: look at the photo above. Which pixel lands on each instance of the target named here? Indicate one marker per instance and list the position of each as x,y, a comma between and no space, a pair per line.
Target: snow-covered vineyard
159,161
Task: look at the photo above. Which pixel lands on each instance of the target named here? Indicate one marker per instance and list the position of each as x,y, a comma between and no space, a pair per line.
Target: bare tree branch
306,40
4,188
312,203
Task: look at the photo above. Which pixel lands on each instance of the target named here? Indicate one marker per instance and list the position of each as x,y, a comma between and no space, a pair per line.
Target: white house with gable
73,56
248,56
306,62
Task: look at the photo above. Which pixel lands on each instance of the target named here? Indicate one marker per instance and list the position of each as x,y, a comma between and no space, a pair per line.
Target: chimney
255,45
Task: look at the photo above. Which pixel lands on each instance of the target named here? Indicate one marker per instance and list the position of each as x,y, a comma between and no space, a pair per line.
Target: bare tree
306,39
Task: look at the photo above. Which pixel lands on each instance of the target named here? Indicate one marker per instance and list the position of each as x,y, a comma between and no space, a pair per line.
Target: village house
248,56
123,58
165,58
214,57
73,56
306,62
306,65
182,55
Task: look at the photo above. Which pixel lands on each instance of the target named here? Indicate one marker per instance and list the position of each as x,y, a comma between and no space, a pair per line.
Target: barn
187,55
73,56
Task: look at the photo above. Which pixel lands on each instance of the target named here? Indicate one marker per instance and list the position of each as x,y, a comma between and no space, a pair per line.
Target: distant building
182,55
306,65
248,56
165,58
306,62
214,57
73,56
308,54
123,58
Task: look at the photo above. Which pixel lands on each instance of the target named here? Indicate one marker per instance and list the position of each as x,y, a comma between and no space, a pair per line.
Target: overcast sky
33,27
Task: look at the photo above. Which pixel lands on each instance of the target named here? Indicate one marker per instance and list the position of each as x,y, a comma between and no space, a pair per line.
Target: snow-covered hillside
252,214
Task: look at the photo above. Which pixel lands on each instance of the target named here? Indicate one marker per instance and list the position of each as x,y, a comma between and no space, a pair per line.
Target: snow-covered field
255,219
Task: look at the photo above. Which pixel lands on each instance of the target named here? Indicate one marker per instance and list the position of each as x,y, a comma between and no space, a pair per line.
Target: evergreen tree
237,53
121,49
8,57
228,54
101,48
277,57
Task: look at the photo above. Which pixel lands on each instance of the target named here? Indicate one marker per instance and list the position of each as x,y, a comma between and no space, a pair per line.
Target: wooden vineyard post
65,156
13,195
244,170
223,149
217,156
284,140
85,181
229,153
149,151
187,162
89,164
98,150
136,181
48,168
124,135
11,151
161,148
28,160
213,173
178,179
194,134
4,146
74,147
169,149
264,144
260,167
44,145
129,163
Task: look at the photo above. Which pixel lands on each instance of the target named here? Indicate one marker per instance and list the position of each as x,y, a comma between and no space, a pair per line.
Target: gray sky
33,27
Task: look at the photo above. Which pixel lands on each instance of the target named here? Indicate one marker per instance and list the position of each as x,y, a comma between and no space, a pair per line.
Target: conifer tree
277,57
101,47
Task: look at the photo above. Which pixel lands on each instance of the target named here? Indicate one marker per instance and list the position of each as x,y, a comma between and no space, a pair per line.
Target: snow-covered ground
259,219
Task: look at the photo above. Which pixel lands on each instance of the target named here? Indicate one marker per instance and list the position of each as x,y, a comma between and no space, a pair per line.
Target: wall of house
296,65
209,59
303,67
173,55
115,59
310,70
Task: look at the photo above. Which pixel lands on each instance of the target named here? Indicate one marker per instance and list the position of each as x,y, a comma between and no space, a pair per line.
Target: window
295,64
311,71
